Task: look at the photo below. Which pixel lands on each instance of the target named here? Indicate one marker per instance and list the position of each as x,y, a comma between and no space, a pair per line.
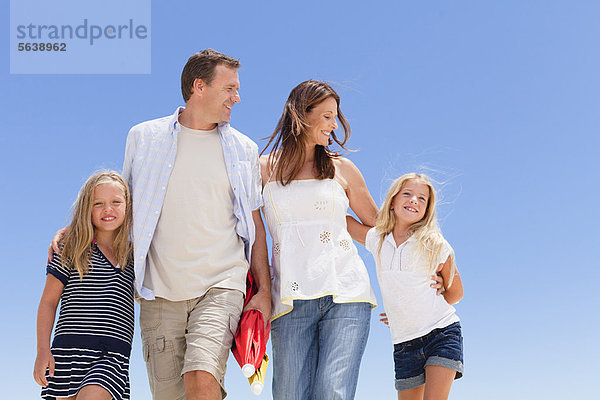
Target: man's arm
259,265
130,148
54,247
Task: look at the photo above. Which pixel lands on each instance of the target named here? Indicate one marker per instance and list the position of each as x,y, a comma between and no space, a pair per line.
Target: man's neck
190,119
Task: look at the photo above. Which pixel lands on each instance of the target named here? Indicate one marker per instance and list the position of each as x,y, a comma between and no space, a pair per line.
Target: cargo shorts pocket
150,314
159,355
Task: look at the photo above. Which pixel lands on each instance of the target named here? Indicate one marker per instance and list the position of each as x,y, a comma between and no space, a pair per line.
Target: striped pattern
149,159
76,368
93,335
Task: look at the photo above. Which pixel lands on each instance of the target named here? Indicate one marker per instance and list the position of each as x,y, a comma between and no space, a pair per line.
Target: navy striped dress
93,335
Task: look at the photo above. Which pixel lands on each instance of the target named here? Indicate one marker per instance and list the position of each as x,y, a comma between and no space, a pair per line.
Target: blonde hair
426,231
78,240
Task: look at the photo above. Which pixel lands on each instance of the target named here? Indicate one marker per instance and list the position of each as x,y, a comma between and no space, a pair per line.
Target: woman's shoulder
347,173
265,168
343,164
264,159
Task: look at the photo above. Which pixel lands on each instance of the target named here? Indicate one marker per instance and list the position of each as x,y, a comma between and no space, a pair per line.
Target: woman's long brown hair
288,142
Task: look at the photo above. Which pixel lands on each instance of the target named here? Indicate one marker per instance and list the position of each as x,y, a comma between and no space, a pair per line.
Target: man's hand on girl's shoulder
53,248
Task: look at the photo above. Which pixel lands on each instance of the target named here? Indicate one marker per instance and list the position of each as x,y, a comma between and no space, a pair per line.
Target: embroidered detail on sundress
320,205
276,249
293,285
325,237
344,244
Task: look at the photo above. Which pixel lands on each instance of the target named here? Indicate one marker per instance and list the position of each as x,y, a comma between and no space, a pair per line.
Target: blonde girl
93,280
409,248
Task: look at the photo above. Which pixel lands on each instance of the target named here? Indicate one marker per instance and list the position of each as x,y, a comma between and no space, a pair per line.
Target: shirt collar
223,127
390,239
174,121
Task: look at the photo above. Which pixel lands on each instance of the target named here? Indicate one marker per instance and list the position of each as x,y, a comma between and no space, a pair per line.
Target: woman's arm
264,168
357,230
353,182
454,291
45,322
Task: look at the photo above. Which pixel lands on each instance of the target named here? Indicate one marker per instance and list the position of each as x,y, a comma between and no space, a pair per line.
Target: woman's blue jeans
317,348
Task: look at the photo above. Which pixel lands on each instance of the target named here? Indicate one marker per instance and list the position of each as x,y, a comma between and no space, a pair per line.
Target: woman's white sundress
313,254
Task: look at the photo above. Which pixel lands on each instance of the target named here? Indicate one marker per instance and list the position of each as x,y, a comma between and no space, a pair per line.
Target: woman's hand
43,361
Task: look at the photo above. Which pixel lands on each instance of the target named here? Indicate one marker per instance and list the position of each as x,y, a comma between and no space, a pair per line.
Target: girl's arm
353,182
357,230
45,322
454,292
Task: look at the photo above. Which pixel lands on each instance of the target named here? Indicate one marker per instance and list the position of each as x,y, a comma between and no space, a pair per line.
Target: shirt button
163,188
156,212
170,165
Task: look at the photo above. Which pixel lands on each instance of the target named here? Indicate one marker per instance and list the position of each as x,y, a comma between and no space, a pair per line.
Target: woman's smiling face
322,121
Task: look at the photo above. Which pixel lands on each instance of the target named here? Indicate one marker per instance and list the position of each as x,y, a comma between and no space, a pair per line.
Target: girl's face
321,119
411,202
108,207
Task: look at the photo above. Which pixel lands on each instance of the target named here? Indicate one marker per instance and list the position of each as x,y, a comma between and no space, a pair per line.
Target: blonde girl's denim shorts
442,347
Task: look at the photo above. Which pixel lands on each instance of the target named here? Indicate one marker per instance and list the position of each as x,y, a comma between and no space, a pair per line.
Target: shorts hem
410,383
455,365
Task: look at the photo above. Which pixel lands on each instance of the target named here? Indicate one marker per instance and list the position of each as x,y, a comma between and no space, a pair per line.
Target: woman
321,295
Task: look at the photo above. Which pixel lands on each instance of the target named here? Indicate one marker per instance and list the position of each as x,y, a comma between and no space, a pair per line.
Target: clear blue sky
499,100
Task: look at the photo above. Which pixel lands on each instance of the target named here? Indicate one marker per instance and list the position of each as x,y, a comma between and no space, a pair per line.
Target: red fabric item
251,337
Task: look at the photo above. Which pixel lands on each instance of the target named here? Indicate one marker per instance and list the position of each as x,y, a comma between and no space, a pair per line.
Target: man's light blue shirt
149,158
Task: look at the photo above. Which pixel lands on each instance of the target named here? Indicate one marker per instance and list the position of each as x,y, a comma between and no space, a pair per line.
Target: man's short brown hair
202,66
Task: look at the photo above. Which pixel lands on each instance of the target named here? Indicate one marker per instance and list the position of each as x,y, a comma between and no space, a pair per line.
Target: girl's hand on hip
438,281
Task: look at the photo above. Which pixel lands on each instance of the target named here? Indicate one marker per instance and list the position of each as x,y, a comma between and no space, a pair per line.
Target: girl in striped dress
93,280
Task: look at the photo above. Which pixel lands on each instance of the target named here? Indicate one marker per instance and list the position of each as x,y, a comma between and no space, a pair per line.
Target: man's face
219,97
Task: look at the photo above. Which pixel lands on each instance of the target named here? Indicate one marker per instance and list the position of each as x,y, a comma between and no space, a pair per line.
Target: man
196,192
196,196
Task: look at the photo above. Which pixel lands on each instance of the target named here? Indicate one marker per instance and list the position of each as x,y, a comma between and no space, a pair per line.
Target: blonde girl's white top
413,308
313,254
